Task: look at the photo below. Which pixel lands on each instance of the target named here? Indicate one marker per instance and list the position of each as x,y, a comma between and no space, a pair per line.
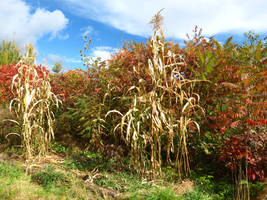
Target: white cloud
52,58
55,58
73,60
67,63
87,31
18,22
46,64
103,52
181,16
63,36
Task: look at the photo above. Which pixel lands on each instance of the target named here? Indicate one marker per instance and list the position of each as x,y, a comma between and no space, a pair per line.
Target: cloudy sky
57,27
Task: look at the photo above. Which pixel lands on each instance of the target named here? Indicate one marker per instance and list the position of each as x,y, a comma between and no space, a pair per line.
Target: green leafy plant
122,182
162,194
49,177
58,148
198,195
234,99
12,171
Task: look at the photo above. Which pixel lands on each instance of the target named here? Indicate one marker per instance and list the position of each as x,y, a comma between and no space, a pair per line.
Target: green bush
49,177
198,195
162,194
58,148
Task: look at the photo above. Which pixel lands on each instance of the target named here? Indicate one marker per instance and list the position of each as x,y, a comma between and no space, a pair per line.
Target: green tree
57,67
251,38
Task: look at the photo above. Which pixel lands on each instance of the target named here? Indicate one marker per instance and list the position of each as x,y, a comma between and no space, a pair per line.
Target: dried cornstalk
165,111
32,105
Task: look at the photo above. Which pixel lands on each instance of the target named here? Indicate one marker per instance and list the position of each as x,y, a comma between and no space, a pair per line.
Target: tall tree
57,67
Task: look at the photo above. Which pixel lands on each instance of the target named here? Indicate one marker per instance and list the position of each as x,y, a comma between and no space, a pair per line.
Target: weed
14,150
208,185
11,171
58,148
134,182
89,161
49,177
122,182
197,194
169,174
255,188
82,163
162,194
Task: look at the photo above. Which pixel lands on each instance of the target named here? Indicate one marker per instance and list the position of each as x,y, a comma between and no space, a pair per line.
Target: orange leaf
235,124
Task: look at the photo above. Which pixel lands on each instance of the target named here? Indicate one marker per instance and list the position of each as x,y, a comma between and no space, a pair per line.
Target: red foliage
70,85
234,98
248,147
6,75
130,63
258,122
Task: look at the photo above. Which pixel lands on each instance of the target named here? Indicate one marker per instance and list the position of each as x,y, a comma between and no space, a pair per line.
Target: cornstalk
32,105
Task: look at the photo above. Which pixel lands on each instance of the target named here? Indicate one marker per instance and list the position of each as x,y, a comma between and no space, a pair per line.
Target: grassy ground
67,174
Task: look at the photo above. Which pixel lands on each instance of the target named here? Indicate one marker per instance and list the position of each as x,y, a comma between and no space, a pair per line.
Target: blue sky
56,27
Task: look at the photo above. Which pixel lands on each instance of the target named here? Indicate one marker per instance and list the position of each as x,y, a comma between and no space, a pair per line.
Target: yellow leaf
260,88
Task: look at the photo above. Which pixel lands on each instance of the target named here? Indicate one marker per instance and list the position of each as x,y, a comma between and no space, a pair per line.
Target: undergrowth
86,175
49,177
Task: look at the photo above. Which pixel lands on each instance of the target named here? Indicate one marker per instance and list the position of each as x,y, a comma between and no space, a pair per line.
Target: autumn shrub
235,101
70,85
149,110
82,93
246,148
6,74
10,55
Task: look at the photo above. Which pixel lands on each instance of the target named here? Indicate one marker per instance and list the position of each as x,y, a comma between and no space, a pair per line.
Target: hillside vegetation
156,121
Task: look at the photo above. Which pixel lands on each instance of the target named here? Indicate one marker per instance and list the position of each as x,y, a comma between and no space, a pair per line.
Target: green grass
122,182
44,185
8,175
211,187
50,177
13,172
162,194
198,195
88,175
12,180
87,161
58,148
